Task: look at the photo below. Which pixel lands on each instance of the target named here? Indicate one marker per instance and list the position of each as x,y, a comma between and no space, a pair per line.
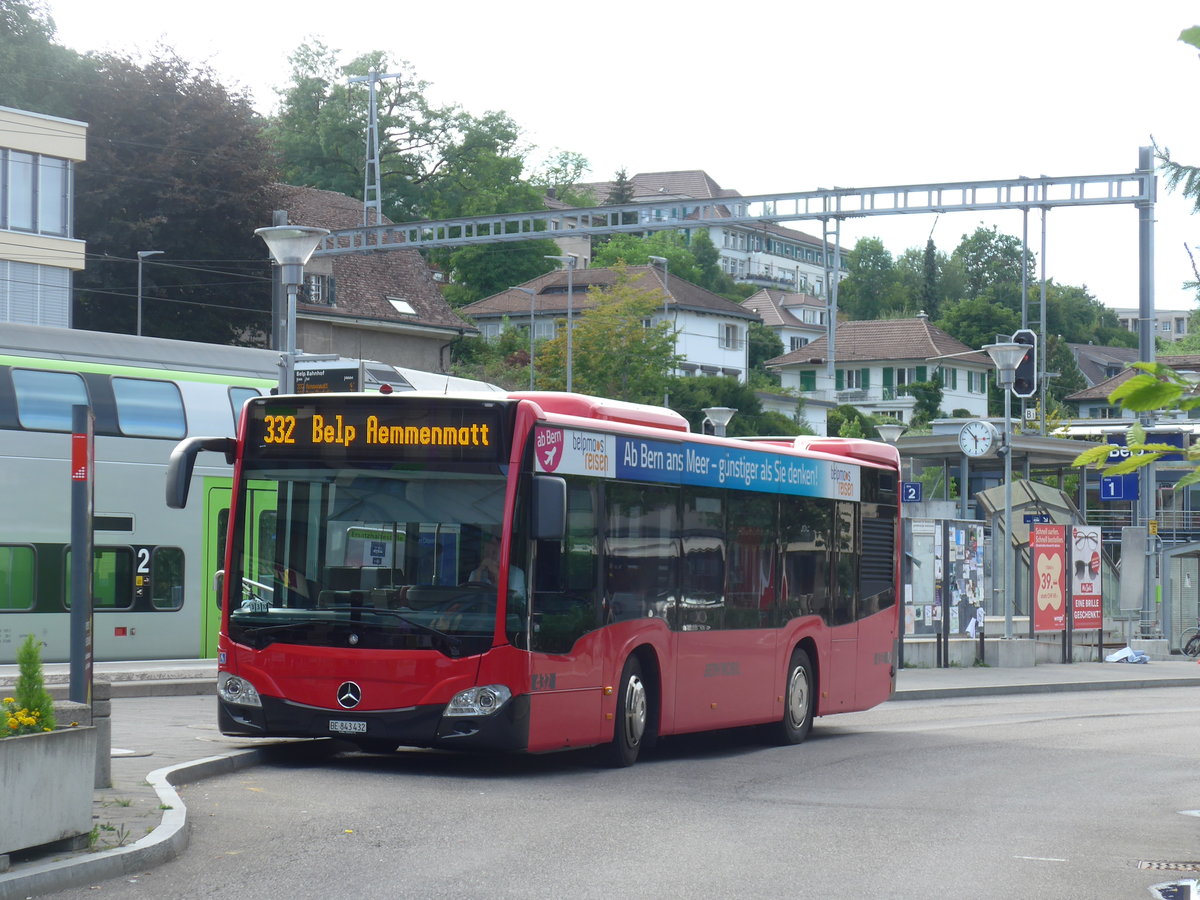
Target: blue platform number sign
910,491
1119,487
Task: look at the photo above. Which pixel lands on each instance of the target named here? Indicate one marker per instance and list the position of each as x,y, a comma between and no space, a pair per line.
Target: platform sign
1119,487
910,491
1036,518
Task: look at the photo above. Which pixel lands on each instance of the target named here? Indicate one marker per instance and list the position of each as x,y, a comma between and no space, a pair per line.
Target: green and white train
153,566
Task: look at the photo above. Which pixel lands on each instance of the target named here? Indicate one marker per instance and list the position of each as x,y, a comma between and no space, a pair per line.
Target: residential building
1169,324
875,361
1093,403
797,319
710,331
759,253
380,306
1097,363
38,253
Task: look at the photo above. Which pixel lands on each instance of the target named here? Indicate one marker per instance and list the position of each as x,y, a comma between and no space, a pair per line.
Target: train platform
164,734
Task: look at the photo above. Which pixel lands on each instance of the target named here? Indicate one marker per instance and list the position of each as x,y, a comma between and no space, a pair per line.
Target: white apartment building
1169,324
710,331
38,254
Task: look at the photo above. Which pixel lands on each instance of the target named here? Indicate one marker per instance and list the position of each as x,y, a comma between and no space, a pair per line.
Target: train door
217,495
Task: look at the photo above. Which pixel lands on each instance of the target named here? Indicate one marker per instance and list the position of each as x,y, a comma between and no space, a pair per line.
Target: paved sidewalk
164,734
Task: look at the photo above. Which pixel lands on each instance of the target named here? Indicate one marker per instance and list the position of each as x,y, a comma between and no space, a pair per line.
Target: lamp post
1006,356
890,433
291,247
719,416
666,264
569,261
141,255
532,294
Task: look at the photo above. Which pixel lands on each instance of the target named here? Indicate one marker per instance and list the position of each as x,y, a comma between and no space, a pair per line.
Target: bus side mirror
183,461
549,508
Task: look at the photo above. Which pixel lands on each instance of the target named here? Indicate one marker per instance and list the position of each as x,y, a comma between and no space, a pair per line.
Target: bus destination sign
345,429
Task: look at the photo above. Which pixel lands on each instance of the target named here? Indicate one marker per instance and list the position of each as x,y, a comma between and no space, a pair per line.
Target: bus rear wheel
632,718
799,701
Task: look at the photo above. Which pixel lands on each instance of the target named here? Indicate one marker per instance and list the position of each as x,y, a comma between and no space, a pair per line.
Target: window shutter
331,290
922,373
808,380
839,380
866,379
888,374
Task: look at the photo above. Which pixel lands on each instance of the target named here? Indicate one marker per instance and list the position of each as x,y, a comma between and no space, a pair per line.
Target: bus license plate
343,726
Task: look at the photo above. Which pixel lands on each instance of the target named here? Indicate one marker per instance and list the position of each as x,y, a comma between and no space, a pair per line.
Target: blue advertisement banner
567,451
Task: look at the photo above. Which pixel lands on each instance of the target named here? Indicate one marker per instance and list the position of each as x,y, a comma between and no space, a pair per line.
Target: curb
1044,687
164,843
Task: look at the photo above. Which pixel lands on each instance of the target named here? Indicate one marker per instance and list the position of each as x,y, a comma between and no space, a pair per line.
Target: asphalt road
1052,795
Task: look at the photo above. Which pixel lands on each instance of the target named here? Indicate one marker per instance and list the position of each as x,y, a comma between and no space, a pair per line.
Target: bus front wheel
799,701
632,717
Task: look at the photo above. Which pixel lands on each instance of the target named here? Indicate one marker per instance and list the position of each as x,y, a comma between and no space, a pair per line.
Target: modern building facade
39,252
1169,324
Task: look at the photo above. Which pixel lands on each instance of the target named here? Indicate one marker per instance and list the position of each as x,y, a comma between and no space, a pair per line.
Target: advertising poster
1086,604
1048,555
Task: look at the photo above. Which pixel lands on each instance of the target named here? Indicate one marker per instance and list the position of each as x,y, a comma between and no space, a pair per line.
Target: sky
775,96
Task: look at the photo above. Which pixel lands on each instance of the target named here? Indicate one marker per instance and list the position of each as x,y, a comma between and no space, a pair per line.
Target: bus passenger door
843,616
217,495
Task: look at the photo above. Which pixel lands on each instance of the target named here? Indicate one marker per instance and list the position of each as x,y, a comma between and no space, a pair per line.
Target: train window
16,577
44,399
166,578
112,577
148,408
237,399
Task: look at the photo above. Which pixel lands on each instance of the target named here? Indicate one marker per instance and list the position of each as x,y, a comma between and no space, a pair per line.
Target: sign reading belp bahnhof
566,451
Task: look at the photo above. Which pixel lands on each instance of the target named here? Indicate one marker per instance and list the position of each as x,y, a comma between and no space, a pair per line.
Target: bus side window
564,594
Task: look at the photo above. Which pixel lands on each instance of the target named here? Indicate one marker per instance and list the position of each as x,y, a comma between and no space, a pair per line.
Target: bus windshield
367,558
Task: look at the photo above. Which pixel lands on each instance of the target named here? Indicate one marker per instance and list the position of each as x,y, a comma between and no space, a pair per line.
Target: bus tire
799,701
632,717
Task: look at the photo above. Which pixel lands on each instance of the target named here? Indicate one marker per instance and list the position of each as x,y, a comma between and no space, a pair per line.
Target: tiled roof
364,282
1101,390
775,307
551,296
1095,361
884,340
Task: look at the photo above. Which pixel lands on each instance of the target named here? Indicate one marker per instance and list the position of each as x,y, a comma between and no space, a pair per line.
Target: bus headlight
478,701
236,690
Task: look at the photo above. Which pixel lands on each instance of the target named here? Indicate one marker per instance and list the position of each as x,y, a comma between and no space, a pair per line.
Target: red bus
544,571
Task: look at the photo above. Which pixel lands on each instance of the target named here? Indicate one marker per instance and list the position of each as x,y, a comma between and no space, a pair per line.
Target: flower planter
46,781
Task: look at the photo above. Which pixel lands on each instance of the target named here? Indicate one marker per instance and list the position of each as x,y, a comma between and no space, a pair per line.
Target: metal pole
1043,339
293,290
1008,547
139,294
570,324
82,504
1147,499
532,297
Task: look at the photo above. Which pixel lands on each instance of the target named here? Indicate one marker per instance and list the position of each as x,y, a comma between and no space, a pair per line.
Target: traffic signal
1025,383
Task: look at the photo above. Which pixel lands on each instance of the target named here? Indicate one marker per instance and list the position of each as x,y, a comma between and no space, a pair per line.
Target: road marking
1041,858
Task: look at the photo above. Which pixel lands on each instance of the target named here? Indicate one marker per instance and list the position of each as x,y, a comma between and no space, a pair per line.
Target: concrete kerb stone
165,842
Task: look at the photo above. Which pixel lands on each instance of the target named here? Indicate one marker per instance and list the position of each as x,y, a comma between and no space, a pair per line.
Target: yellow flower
9,700
13,724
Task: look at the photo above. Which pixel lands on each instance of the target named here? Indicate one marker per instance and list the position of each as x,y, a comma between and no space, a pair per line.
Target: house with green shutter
875,362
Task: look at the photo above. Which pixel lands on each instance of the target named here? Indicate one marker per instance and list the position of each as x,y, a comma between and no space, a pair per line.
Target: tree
991,263
869,290
621,191
503,361
614,353
560,175
175,163
849,421
38,72
481,270
977,321
690,396
636,250
928,407
763,344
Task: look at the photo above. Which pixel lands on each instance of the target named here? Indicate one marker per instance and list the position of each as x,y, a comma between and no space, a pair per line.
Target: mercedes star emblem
349,695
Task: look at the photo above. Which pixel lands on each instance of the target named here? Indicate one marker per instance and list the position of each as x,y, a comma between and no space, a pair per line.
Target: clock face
977,438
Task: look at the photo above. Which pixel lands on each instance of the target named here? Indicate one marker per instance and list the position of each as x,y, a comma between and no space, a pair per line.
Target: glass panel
237,399
166,578
149,408
16,577
112,578
44,399
702,604
642,551
750,582
20,191
52,196
805,528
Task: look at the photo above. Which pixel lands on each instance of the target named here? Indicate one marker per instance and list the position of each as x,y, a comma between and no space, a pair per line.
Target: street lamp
141,255
890,432
665,263
569,262
532,294
291,247
719,416
1007,356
